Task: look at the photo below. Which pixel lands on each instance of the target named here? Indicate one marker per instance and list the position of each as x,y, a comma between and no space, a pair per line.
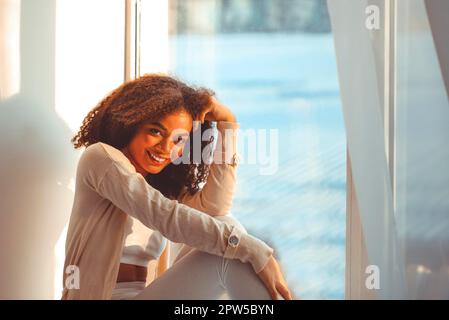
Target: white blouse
141,244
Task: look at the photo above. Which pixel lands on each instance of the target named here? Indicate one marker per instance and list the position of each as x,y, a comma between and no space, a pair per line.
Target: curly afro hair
117,117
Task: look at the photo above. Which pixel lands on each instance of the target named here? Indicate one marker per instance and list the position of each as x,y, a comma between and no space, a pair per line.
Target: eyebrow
157,124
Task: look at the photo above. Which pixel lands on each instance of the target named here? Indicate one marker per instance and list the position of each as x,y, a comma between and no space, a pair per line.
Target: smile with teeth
155,157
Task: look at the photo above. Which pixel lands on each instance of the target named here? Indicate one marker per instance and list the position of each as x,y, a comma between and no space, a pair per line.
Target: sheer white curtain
421,139
402,193
360,68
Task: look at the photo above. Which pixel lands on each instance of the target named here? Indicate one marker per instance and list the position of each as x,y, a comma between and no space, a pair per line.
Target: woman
135,139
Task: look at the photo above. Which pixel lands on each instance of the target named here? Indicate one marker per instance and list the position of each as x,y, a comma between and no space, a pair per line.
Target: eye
154,131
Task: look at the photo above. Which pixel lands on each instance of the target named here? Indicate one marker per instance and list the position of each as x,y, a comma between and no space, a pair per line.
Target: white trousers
196,275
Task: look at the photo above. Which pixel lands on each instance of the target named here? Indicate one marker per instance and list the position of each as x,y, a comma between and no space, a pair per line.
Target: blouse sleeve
128,190
215,198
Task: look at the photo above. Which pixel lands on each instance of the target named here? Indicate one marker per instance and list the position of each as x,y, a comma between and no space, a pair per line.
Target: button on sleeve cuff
248,249
233,242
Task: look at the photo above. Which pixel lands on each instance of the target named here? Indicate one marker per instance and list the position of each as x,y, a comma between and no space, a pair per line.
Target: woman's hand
273,279
216,111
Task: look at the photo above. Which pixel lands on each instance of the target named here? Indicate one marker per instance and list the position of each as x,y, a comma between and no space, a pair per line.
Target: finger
204,113
285,293
209,117
273,293
202,116
212,100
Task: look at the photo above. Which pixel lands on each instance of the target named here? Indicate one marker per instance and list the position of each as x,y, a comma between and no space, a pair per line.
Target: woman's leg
127,290
199,275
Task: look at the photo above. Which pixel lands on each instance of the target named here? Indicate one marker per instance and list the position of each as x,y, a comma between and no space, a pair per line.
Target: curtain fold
360,71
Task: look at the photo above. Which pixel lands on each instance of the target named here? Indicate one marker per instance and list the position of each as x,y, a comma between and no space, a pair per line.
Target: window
273,63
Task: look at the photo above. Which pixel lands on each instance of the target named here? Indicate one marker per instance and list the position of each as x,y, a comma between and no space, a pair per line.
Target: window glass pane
273,63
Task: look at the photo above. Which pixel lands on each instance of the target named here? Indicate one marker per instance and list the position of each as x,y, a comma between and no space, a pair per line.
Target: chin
154,170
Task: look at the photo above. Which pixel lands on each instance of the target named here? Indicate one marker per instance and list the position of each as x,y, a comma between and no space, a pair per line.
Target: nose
165,146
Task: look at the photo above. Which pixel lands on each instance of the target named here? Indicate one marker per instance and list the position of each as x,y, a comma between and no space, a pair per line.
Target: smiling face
155,145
